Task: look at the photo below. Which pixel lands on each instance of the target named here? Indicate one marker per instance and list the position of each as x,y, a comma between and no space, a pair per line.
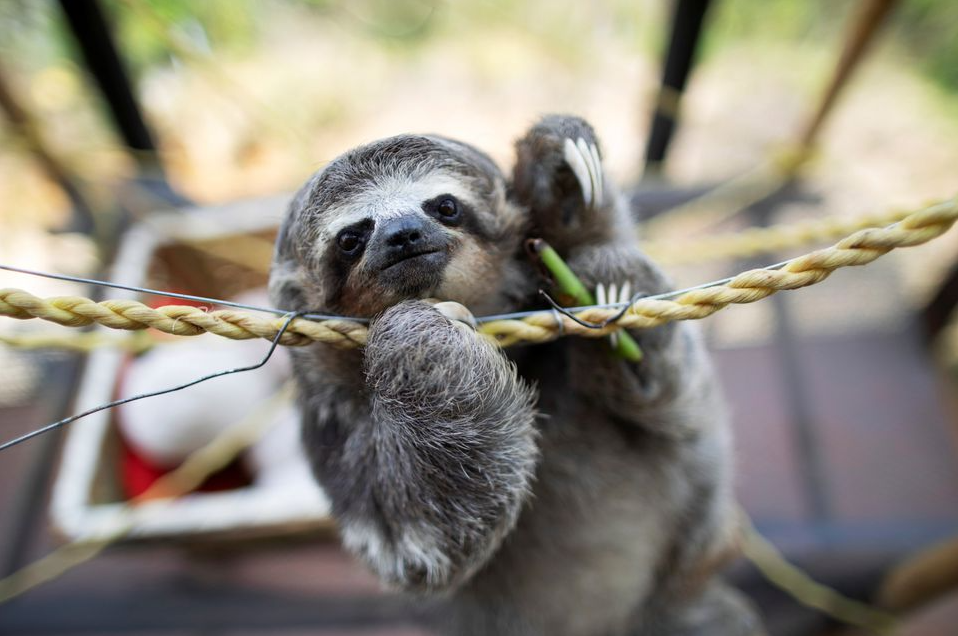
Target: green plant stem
569,284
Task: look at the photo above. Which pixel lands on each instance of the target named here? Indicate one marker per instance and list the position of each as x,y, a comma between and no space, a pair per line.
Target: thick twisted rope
860,248
137,342
177,320
762,240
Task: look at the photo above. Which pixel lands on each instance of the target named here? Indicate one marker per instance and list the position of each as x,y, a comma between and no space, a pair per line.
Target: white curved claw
584,160
591,156
613,294
456,312
599,180
576,160
600,294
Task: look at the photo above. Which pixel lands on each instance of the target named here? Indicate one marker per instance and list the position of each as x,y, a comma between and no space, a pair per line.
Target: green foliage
926,29
20,22
929,29
775,20
144,27
33,31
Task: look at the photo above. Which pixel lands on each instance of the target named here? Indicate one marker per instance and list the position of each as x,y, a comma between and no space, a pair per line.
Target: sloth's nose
405,233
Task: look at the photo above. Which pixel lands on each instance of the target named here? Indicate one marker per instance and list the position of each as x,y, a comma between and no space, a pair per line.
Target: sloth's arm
574,206
430,467
672,390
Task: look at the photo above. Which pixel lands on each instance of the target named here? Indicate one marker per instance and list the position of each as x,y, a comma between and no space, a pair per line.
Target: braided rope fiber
860,248
178,320
753,241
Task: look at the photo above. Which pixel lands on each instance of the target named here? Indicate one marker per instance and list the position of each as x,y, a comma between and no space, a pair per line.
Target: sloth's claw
598,183
456,312
573,156
613,294
583,159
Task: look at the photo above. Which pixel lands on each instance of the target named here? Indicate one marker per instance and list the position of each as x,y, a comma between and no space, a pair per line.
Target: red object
160,301
137,474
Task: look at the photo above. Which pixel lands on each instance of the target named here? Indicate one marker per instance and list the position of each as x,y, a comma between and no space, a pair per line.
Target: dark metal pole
687,20
92,33
787,346
936,315
862,29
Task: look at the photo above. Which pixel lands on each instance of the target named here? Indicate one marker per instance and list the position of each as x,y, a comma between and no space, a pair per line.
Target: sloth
545,489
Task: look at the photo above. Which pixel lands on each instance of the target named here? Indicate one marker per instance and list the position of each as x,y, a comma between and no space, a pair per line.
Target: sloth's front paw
414,324
559,176
414,346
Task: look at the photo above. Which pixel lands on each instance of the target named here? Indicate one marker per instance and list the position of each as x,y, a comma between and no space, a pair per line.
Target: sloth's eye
448,210
349,242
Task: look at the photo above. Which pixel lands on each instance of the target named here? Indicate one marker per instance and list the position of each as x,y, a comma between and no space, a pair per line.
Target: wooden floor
846,460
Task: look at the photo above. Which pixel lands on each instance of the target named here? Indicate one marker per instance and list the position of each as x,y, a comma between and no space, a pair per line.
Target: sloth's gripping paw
416,349
558,174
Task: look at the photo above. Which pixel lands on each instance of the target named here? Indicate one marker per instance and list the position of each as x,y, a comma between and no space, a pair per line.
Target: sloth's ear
285,287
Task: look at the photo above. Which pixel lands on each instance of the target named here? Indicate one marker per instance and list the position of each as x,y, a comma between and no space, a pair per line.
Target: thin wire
68,420
638,296
157,292
556,307
291,315
517,315
316,316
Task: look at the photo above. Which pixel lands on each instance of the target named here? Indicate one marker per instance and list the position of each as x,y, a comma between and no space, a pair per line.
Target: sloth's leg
431,474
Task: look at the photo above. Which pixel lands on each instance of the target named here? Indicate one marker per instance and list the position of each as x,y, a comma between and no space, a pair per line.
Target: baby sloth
552,489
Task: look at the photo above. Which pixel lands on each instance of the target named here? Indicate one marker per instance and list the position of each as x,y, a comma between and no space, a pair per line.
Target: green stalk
570,285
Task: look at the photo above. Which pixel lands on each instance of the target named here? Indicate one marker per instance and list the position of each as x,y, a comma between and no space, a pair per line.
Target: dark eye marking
446,209
351,241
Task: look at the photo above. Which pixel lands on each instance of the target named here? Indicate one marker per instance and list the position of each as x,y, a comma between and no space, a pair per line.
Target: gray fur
558,490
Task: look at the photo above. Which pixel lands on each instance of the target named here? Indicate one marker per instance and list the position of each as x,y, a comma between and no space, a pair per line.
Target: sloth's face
402,239
409,217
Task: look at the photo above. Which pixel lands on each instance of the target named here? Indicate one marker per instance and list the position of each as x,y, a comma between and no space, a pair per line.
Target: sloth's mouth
407,257
416,273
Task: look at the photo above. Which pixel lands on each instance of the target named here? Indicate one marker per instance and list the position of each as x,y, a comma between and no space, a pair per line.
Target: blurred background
198,122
